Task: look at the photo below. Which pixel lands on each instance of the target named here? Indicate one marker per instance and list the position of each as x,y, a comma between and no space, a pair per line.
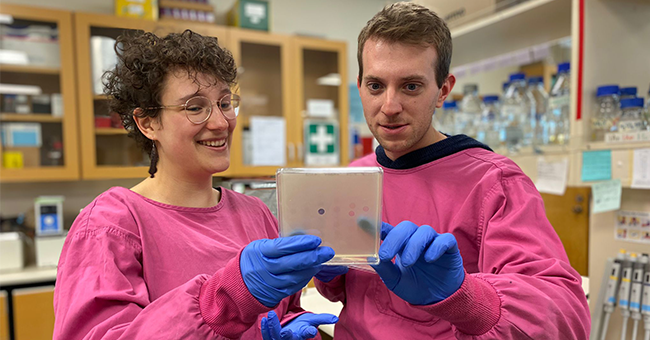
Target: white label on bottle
630,125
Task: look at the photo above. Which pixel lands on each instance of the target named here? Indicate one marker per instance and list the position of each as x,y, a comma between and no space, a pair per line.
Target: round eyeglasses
199,109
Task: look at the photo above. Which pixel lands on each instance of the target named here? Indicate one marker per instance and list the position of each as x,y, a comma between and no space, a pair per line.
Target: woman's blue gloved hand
428,267
328,273
275,269
301,328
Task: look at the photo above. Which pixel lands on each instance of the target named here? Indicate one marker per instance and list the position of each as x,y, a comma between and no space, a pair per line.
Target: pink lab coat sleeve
333,290
101,294
525,288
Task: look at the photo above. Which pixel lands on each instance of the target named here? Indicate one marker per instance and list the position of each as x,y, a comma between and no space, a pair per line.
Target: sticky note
596,165
606,196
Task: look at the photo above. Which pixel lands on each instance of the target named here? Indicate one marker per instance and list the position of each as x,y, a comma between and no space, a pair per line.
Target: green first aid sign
322,141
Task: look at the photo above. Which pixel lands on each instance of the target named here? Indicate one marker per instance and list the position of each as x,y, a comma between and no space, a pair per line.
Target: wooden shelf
110,131
185,5
30,117
29,69
617,146
29,274
100,97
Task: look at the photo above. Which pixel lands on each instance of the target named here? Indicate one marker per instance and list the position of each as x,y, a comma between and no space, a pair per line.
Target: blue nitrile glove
428,267
301,328
328,273
275,269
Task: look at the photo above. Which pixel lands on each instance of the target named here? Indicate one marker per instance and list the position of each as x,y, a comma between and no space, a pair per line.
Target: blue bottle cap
607,90
490,99
449,105
506,84
631,102
536,80
517,76
628,91
564,67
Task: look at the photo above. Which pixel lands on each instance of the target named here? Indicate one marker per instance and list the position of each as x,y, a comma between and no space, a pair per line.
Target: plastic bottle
490,128
632,115
540,133
559,119
516,112
469,114
607,113
445,120
628,92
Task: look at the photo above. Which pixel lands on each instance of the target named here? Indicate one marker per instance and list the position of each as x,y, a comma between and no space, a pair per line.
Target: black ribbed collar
443,148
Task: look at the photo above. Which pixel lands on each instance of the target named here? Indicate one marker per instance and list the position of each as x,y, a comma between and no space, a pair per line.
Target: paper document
641,170
596,165
552,176
606,196
268,139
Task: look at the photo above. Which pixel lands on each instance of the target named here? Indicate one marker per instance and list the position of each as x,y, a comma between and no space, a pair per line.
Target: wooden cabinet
4,316
321,74
57,158
33,313
266,87
107,152
276,75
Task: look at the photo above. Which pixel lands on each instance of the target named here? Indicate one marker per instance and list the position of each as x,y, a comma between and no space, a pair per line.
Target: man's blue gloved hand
328,273
275,269
428,267
301,328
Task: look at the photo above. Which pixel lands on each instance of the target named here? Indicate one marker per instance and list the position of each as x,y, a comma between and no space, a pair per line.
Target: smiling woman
174,257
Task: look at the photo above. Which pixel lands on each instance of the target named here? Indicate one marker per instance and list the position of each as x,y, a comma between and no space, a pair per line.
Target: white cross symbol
321,138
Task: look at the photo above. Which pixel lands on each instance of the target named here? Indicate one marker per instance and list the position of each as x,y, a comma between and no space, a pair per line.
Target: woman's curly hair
144,60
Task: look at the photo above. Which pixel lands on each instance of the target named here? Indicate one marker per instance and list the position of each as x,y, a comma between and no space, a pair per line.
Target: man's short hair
412,24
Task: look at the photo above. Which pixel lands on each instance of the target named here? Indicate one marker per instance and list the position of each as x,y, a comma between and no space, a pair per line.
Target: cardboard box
139,9
459,12
11,251
48,250
21,134
21,157
253,14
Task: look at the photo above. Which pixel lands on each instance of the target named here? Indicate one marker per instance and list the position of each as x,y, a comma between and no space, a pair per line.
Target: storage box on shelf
57,157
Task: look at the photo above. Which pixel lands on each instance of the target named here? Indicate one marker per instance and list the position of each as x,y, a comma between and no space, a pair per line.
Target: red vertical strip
581,45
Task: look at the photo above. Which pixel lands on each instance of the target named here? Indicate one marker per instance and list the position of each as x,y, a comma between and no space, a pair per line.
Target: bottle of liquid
607,113
516,111
628,92
469,115
559,119
489,130
445,120
540,132
632,115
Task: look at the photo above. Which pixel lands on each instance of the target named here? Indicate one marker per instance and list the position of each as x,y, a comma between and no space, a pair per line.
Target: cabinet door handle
291,152
577,209
301,152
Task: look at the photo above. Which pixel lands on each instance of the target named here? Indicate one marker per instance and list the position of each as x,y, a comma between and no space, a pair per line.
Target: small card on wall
606,196
641,172
632,226
596,165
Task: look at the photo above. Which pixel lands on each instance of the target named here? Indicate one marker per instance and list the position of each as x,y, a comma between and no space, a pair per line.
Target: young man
474,255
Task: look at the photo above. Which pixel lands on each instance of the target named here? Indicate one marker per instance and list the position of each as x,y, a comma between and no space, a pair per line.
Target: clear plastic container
559,119
342,206
517,112
540,125
607,113
491,127
445,120
469,115
632,116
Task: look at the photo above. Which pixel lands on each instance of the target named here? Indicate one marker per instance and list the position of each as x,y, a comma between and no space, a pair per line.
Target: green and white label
321,142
